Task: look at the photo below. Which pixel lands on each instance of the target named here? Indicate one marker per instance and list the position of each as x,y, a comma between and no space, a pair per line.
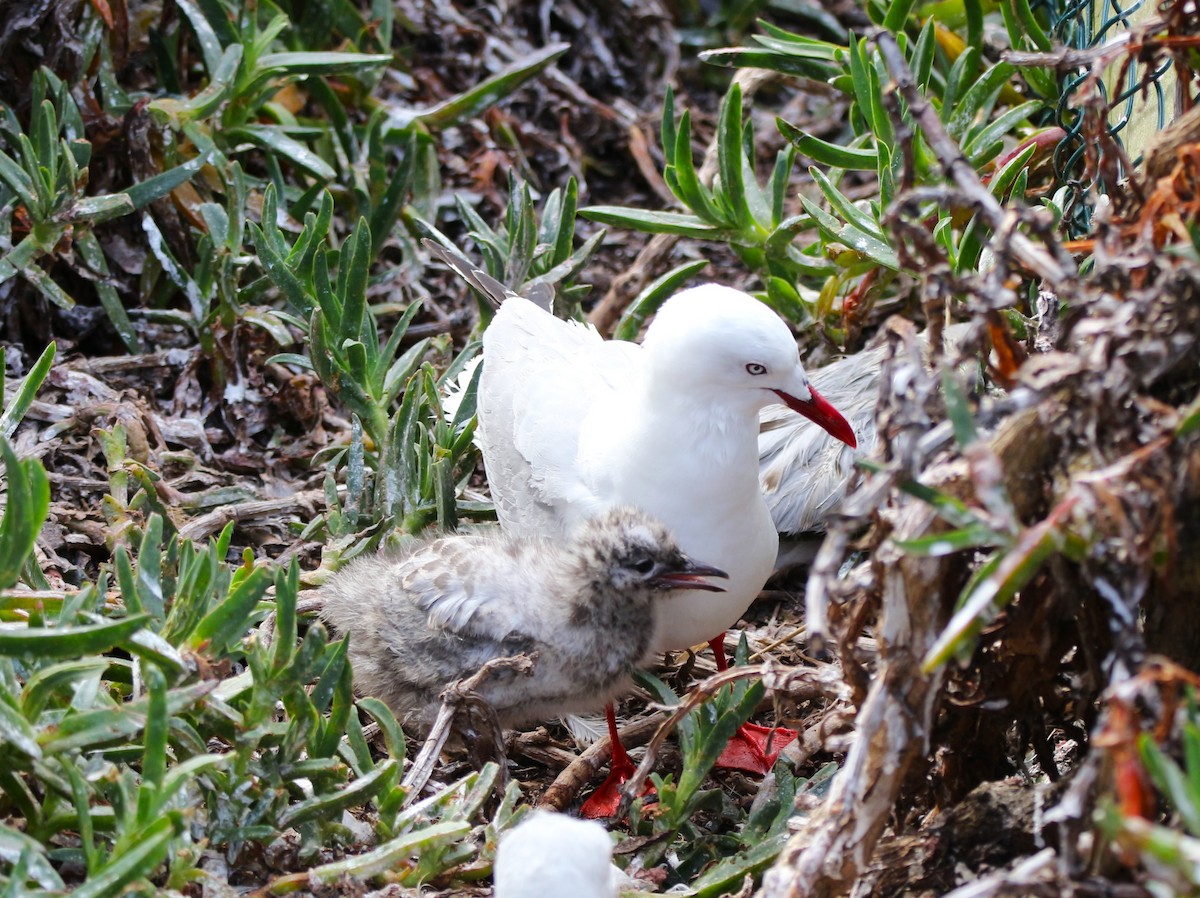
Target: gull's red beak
690,576
821,413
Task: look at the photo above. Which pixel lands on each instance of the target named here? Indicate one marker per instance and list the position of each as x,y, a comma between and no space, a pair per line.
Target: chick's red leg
606,799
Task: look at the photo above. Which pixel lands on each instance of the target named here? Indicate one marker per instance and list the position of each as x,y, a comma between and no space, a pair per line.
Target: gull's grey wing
804,472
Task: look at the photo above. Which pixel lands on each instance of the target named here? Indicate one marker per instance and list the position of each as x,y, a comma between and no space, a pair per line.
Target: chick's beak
690,576
818,410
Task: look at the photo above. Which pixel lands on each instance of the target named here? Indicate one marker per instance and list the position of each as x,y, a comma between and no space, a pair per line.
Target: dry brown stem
454,697
892,730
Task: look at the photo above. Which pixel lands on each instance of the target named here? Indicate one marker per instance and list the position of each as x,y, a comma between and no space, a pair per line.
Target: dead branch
204,526
836,844
1055,268
454,697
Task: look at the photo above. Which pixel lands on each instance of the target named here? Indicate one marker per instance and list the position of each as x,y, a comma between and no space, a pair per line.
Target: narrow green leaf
730,159
897,15
145,192
230,620
826,153
1031,28
93,256
102,208
923,53
978,140
149,569
330,806
16,845
958,410
25,393
17,732
273,139
354,271
428,840
393,734
947,543
287,586
206,37
653,222
1171,781
154,753
844,207
106,726
323,62
279,272
141,860
652,297
787,63
24,513
957,82
69,641
977,102
53,678
985,596
685,183
974,14
47,287
19,182
487,93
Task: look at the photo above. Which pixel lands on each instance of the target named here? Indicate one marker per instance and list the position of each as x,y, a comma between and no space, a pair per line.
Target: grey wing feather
469,588
804,472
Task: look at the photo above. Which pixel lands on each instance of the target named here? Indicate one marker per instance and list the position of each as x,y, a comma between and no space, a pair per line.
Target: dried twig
454,697
208,524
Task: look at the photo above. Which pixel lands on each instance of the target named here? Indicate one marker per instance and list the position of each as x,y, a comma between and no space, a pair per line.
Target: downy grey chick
420,620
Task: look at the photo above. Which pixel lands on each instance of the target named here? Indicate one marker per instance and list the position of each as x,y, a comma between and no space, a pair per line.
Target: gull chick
437,613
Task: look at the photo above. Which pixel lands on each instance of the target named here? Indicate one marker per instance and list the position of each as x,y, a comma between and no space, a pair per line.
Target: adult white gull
571,424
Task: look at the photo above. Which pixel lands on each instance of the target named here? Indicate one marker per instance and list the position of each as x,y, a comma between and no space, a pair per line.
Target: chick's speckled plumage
435,614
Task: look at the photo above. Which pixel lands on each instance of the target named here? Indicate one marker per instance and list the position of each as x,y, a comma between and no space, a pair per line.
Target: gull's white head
726,344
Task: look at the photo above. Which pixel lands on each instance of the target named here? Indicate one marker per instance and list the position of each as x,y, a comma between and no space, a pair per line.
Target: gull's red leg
753,748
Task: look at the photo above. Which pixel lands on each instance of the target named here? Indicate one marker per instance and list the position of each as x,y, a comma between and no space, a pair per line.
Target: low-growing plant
835,247
137,735
44,206
713,843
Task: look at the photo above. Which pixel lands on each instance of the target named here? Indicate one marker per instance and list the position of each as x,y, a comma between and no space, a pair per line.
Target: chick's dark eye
755,368
644,565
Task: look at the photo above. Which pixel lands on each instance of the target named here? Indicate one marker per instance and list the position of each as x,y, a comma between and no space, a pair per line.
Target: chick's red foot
748,749
605,800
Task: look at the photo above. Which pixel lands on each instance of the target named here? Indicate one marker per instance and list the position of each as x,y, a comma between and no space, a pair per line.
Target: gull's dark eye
756,369
644,565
